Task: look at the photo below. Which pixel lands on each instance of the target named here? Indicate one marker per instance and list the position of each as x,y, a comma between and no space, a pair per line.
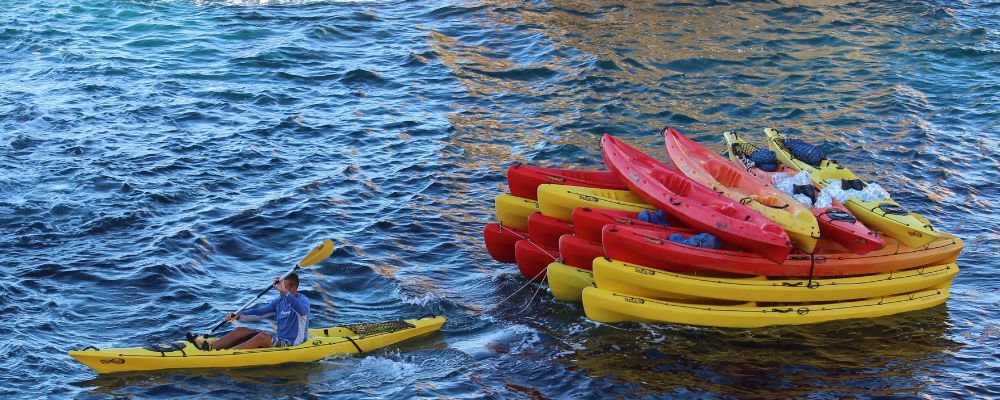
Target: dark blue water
162,159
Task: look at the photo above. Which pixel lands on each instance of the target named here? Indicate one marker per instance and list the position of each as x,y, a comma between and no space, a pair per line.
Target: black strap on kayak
892,208
841,215
812,267
849,184
354,343
806,190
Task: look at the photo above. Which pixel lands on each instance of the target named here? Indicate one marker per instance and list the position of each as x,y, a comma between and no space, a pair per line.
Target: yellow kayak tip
567,282
559,200
513,211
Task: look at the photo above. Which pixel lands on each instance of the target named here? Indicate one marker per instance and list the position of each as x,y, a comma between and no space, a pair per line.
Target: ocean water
161,160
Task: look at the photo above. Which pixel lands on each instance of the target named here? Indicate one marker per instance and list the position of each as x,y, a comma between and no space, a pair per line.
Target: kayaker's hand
233,317
280,285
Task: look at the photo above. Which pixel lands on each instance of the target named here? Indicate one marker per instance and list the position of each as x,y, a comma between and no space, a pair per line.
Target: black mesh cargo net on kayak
378,328
806,152
762,158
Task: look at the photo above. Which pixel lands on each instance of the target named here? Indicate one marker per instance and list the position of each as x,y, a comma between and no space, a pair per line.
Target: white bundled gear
871,193
835,190
787,184
823,199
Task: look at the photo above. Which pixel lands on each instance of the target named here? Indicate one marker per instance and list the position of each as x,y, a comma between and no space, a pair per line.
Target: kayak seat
727,174
769,200
674,182
728,210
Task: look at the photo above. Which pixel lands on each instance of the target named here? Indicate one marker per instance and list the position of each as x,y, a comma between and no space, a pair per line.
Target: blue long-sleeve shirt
292,314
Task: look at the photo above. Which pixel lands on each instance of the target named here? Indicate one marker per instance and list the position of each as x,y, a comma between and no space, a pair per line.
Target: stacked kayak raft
716,241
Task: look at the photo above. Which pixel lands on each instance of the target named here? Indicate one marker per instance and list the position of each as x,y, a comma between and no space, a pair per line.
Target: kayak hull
633,279
524,180
567,282
579,253
532,258
854,236
321,343
608,306
546,230
500,241
589,222
653,250
513,211
559,200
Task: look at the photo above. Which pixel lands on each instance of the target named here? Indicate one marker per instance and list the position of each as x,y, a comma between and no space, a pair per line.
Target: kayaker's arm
259,313
300,304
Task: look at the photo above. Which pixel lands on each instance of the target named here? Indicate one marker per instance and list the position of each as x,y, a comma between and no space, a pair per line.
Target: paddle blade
318,254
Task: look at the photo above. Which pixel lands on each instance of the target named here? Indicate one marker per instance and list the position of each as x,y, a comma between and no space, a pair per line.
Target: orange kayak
696,205
712,170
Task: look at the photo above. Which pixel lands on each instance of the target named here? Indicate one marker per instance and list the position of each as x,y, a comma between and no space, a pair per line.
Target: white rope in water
530,281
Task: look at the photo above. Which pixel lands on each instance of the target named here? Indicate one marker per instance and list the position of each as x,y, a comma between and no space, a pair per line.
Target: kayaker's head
289,284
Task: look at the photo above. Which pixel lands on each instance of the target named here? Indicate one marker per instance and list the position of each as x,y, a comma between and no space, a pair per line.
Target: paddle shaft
262,293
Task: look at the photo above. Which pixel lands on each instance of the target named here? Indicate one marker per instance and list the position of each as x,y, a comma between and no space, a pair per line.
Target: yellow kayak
885,216
559,200
320,344
636,280
607,306
513,211
567,282
712,170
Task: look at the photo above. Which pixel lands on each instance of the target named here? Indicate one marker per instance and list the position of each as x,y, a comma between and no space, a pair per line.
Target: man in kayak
291,309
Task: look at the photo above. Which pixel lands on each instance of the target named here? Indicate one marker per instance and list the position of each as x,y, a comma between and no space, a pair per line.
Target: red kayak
546,230
836,223
533,258
578,252
654,250
500,241
839,225
698,206
589,222
525,179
